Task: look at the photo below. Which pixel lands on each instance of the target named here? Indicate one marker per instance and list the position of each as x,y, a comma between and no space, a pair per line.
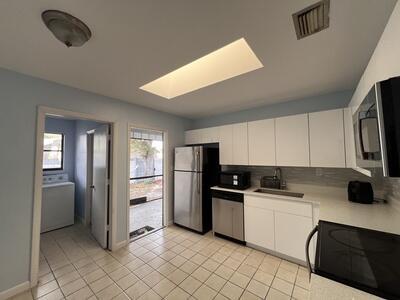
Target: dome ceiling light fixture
68,29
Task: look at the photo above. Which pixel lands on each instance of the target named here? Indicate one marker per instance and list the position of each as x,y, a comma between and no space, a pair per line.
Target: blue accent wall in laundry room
66,127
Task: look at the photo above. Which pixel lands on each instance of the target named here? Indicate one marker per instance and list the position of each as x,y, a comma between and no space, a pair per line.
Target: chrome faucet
276,173
282,184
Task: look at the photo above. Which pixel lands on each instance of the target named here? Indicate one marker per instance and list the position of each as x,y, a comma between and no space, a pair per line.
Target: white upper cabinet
349,139
193,136
261,136
210,135
226,145
327,139
292,145
240,144
320,139
202,136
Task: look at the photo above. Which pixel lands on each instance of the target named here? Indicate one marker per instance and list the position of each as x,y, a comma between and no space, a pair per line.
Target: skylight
229,61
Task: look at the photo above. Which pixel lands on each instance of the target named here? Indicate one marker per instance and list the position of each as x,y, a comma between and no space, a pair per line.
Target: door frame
42,112
166,160
89,173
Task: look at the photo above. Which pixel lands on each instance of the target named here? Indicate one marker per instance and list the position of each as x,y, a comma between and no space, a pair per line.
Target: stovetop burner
366,259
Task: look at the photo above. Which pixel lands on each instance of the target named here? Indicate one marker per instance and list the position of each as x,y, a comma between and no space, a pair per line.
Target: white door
100,185
225,145
327,139
292,146
291,233
259,227
262,143
240,145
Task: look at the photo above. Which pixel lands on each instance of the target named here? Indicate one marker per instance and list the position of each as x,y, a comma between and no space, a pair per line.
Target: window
53,151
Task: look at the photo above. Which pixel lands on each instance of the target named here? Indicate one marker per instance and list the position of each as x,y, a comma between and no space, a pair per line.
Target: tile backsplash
386,188
334,177
391,191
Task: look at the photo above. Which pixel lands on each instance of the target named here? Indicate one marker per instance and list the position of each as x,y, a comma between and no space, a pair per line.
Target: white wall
384,62
20,96
291,107
66,127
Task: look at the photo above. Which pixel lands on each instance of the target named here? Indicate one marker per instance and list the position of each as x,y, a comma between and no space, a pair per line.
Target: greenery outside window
53,152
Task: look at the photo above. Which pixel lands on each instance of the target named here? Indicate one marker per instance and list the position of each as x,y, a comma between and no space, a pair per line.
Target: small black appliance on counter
360,192
234,180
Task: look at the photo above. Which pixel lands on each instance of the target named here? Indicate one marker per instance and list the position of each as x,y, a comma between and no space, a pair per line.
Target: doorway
73,154
146,181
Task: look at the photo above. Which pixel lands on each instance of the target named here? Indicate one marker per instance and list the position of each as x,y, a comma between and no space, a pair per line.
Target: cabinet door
291,233
292,146
240,144
211,135
259,227
349,138
189,137
226,145
327,139
193,137
261,135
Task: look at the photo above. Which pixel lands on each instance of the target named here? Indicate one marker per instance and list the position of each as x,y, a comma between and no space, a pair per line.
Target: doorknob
92,187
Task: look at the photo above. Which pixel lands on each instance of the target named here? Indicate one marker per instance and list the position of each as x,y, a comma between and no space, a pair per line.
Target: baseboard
15,290
277,254
119,245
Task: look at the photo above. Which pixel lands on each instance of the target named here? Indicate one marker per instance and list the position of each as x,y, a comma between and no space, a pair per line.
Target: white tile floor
169,264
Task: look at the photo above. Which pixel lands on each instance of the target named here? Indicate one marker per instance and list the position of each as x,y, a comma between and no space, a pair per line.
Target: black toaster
360,192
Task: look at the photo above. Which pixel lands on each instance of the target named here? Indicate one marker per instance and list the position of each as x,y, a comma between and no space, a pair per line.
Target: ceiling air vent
312,19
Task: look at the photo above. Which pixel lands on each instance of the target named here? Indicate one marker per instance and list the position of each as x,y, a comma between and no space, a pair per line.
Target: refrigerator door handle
198,160
198,169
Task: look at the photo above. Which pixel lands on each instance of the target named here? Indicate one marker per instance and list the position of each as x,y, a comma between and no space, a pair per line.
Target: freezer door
189,158
188,203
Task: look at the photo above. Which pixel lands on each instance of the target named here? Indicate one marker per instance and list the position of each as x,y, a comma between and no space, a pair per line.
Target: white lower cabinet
259,227
291,233
278,225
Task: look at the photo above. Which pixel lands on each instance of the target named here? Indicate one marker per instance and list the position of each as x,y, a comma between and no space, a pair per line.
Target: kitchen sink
278,192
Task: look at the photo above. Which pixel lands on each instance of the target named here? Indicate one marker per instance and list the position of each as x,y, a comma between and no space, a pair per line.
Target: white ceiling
135,42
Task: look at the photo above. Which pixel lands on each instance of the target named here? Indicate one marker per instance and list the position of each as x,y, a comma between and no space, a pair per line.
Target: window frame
62,153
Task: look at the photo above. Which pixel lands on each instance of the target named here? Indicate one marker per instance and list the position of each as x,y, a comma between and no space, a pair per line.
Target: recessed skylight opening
229,61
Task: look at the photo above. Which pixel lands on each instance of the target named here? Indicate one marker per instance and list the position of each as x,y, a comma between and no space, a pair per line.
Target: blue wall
66,127
20,96
312,104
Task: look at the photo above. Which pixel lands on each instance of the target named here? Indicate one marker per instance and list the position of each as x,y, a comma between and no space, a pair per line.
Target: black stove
366,259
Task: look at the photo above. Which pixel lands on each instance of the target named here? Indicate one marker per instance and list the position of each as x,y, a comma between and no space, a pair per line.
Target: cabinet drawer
287,206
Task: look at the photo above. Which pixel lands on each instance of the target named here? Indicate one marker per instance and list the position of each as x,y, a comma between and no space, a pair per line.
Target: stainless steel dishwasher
227,208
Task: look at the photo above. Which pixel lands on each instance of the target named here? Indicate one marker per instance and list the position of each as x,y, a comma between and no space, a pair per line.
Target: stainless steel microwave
376,126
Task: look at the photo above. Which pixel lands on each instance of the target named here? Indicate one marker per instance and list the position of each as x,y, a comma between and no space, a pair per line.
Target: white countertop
324,288
334,207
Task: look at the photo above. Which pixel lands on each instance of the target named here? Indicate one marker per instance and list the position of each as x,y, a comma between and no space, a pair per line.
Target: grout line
174,239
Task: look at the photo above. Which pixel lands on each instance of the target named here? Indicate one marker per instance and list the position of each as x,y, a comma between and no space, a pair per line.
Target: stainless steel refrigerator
196,169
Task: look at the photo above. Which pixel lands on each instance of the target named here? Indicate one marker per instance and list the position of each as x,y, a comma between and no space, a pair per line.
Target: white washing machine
58,202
